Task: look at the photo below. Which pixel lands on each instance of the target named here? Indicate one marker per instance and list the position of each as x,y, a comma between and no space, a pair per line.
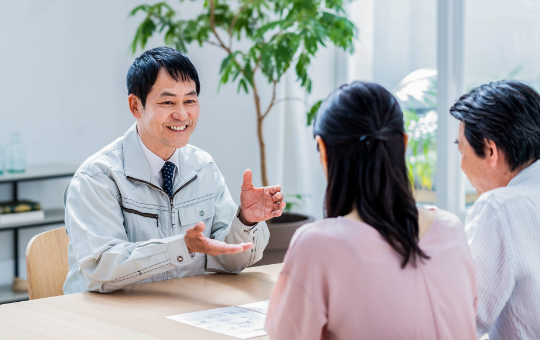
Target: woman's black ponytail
362,127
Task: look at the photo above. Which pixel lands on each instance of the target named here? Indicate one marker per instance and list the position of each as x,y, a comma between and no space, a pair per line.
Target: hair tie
383,134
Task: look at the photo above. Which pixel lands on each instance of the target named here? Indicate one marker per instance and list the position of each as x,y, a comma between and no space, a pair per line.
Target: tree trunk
262,150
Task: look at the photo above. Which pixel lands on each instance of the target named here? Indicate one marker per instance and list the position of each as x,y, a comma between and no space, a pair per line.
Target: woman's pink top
342,280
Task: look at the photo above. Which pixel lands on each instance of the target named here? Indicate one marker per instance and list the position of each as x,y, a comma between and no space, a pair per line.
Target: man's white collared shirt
156,163
503,229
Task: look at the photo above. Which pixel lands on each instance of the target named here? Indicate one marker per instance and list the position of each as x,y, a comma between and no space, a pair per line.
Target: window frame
450,182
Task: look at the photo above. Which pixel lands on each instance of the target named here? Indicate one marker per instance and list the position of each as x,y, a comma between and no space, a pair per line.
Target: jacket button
180,258
201,213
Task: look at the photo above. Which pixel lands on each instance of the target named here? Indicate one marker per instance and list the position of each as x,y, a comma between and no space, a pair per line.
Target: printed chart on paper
243,321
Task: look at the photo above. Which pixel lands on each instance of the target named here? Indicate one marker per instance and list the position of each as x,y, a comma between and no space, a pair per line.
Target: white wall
62,86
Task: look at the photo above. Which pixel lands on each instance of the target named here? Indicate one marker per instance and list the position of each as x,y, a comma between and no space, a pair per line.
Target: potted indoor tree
281,34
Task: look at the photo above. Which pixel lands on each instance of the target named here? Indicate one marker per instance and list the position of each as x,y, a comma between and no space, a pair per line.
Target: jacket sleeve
106,260
234,232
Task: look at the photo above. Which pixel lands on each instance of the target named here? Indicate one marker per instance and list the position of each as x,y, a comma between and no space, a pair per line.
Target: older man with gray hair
499,142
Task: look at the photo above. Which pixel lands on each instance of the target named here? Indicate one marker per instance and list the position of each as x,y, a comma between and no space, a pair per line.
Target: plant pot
429,196
282,230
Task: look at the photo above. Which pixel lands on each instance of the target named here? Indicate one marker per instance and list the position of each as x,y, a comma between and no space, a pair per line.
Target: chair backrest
47,263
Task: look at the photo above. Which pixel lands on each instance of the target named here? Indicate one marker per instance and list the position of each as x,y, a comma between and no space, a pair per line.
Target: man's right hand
198,243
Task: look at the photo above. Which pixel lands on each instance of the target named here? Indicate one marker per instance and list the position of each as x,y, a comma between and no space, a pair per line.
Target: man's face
475,168
169,116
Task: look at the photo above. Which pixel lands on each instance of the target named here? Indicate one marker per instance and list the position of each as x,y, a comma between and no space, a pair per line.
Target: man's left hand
259,204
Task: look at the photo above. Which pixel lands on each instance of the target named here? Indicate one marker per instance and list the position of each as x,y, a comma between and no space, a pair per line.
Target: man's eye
190,101
168,102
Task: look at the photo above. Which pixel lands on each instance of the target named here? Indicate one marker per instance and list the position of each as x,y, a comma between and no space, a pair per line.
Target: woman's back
342,279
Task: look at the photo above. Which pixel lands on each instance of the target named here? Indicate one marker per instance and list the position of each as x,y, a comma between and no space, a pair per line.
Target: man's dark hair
506,112
143,72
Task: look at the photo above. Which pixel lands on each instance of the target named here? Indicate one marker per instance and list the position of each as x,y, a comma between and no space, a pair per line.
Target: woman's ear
406,139
322,153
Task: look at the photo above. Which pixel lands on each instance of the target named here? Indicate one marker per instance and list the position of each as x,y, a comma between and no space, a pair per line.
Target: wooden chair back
47,263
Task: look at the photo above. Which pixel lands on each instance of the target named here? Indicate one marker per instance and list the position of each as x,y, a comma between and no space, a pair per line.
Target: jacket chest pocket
191,214
140,226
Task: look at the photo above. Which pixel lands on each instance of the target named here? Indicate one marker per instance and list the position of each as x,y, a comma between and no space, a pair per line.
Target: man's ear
492,152
135,106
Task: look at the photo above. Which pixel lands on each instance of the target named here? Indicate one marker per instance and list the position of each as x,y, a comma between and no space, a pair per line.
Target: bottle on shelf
16,152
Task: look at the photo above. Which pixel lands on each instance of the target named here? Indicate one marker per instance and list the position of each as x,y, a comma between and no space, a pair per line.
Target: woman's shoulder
313,231
330,233
447,219
446,228
317,245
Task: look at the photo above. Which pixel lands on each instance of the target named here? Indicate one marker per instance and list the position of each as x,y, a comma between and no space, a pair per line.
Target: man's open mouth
177,127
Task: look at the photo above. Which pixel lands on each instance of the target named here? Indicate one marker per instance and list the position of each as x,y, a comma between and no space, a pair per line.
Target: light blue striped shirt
503,230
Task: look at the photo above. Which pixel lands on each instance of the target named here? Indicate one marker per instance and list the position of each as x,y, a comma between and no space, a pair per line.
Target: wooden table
138,311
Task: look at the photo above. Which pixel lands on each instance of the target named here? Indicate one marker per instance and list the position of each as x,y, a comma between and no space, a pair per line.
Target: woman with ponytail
377,267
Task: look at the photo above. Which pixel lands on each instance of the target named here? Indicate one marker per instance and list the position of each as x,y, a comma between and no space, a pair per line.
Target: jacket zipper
143,214
183,186
163,191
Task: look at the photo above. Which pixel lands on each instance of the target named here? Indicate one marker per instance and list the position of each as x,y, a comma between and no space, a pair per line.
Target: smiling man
151,207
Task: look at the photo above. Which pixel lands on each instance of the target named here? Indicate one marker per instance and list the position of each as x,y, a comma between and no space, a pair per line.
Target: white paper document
261,306
242,322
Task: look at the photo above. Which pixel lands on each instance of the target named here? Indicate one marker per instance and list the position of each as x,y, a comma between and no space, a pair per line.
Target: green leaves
339,30
282,34
144,31
313,112
229,67
278,54
294,200
302,71
421,157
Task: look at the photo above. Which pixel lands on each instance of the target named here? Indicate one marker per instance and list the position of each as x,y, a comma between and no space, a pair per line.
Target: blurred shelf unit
8,295
52,216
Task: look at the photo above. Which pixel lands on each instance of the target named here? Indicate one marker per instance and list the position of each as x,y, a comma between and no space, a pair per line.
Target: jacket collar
136,165
186,168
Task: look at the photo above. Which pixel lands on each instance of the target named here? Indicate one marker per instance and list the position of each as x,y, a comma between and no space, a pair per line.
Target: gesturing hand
196,242
259,204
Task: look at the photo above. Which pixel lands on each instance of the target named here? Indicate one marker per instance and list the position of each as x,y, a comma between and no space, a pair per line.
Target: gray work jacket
124,229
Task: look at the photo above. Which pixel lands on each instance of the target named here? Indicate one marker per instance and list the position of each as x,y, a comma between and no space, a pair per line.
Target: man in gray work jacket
151,207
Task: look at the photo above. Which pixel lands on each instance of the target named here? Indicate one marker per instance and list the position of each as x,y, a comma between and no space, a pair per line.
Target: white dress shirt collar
156,163
531,172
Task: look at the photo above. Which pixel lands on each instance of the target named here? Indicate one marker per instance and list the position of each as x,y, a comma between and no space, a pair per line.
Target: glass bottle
16,154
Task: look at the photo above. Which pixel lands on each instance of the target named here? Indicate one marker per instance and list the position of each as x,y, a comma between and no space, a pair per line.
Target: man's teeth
178,128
